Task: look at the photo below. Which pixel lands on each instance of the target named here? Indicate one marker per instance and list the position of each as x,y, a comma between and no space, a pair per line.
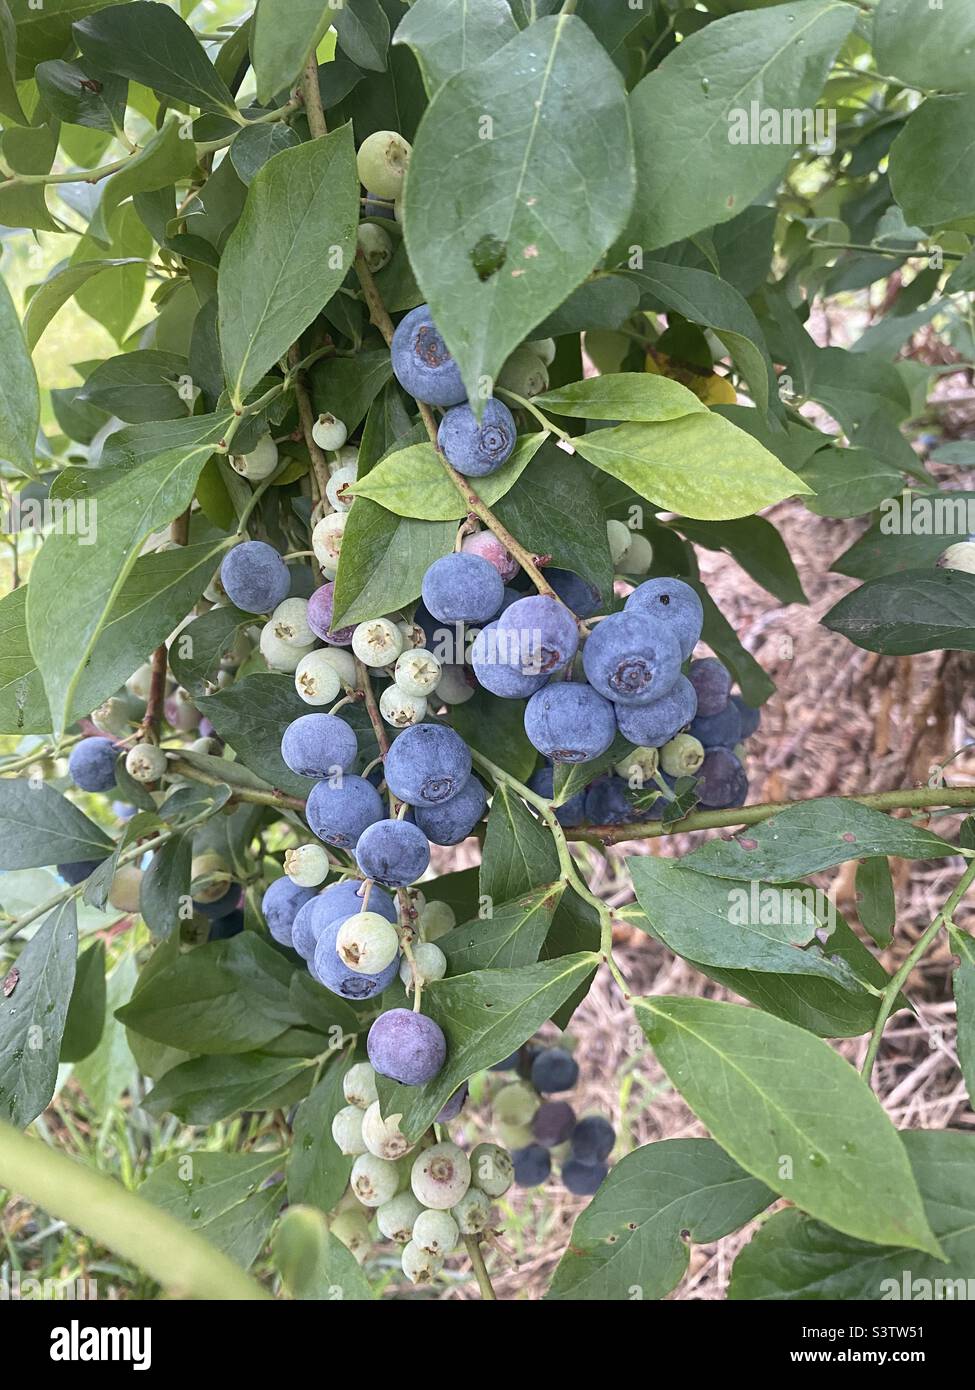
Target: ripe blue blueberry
406,1046
576,593
649,726
462,588
91,764
593,1139
554,1069
477,447
712,682
453,1106
583,1179
78,872
541,634
608,802
722,781
673,603
316,745
631,658
330,970
507,1063
532,1165
553,1123
334,904
339,809
422,363
750,716
255,577
572,812
570,722
493,669
393,852
721,730
453,820
427,764
280,906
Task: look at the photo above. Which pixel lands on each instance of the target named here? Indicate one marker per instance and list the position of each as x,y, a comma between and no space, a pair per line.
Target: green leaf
207,1089
876,905
58,288
81,95
347,386
485,1016
412,481
10,106
495,728
230,1198
166,158
110,1070
251,716
363,33
510,935
38,826
912,611
924,45
849,482
197,649
701,465
386,422
85,1021
794,1257
28,151
690,172
384,558
19,398
813,836
138,386
606,301
149,43
285,33
44,31
317,1172
288,254
147,478
756,687
448,36
23,704
622,396
519,852
632,1240
500,229
757,546
33,1008
166,880
793,1113
963,984
315,1266
113,301
256,144
930,191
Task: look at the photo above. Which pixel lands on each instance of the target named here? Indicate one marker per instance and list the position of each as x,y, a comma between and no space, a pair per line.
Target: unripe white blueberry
367,943
204,745
260,462
145,762
124,892
619,535
374,243
329,431
352,1229
374,1180
336,489
639,766
326,542
381,162
473,1212
436,1232
401,710
377,642
524,373
238,651
418,1266
346,457
436,920
306,865
209,866
282,656
417,672
316,679
347,1130
359,1085
111,717
429,963
290,623
491,1169
440,1176
638,556
516,1103
456,686
140,682
960,556
342,662
682,756
413,634
214,591
384,1138
395,1218
543,348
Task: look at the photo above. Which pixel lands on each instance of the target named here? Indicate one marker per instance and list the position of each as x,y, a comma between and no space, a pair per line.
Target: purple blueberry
477,447
722,730
750,716
532,1165
583,598
631,658
554,1069
493,669
569,815
570,722
608,802
280,906
319,618
721,780
407,1047
712,682
583,1179
226,927
453,820
393,852
91,764
507,1063
650,726
318,745
553,1123
422,363
333,904
255,577
673,603
330,970
540,633
339,809
77,873
454,1105
462,588
593,1139
427,764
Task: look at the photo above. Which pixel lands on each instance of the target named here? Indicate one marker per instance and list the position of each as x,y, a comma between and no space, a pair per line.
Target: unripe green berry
124,892
347,1130
418,1266
337,488
111,717
515,1136
377,642
374,243
436,1232
326,542
359,1085
329,431
543,348
289,622
491,1169
306,865
960,556
384,1138
619,536
524,373
374,1180
401,710
638,768
436,920
429,964
396,1217
145,762
440,1176
352,1229
473,1212
382,161
213,867
367,943
316,679
516,1104
341,661
682,756
455,687
260,463
638,556
279,655
417,672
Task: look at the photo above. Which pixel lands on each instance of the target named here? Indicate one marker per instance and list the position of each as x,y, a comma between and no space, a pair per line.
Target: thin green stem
473,1246
533,409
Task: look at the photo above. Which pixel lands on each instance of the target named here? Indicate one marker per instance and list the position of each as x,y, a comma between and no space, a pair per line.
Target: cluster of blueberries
539,1129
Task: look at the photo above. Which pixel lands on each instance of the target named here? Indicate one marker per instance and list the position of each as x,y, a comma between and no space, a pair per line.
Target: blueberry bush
445,334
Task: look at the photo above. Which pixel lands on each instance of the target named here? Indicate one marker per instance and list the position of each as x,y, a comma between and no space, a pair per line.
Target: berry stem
533,409
312,97
179,534
306,415
473,1246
